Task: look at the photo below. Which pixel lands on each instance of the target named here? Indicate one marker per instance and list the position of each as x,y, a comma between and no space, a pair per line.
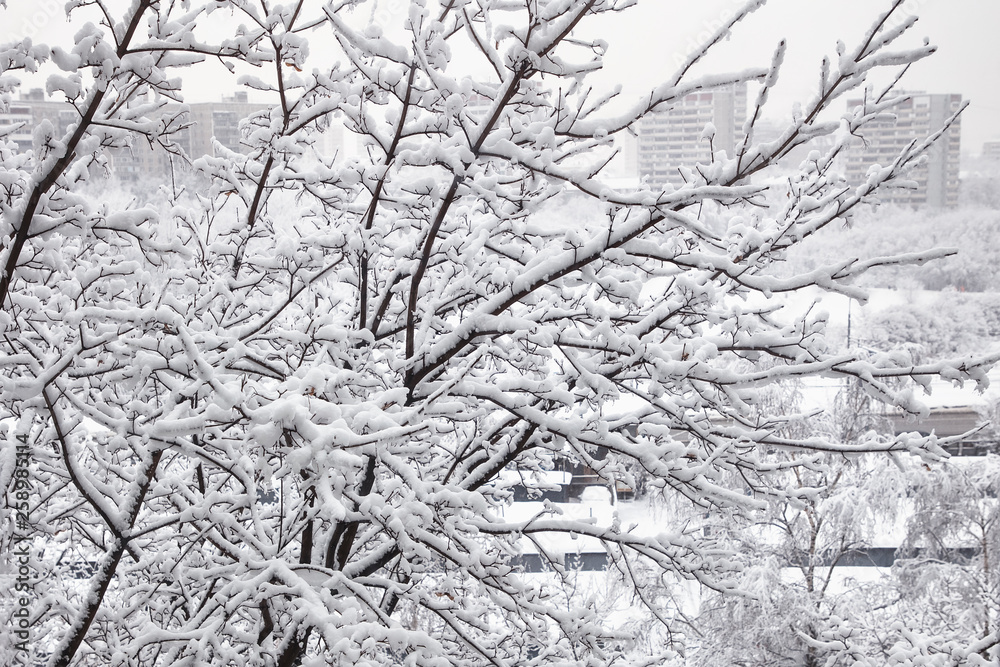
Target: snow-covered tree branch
274,413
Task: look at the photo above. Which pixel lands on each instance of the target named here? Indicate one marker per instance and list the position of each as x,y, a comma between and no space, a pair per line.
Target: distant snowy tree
269,418
890,230
938,325
981,186
949,582
827,518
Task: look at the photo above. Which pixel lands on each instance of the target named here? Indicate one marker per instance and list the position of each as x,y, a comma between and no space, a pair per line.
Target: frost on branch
273,414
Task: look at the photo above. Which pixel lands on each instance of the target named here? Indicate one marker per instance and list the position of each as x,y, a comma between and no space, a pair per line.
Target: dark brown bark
20,234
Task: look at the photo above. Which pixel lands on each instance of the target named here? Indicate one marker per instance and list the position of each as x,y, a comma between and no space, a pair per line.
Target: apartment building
32,110
201,126
675,137
991,151
198,129
918,116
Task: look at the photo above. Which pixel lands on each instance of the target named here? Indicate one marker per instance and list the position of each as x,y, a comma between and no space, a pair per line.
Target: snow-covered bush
891,230
945,325
947,583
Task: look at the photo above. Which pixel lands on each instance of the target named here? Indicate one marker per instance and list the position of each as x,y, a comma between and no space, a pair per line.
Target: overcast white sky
647,41
967,62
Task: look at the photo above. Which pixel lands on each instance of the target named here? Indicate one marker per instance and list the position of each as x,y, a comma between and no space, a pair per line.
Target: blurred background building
194,129
991,151
667,143
676,137
920,115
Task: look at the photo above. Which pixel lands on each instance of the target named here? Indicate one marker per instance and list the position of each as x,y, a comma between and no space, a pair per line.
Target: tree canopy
273,412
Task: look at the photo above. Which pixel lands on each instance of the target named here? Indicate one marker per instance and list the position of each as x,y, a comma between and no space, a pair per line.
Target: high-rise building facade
198,128
202,126
676,137
916,117
991,151
30,112
16,125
